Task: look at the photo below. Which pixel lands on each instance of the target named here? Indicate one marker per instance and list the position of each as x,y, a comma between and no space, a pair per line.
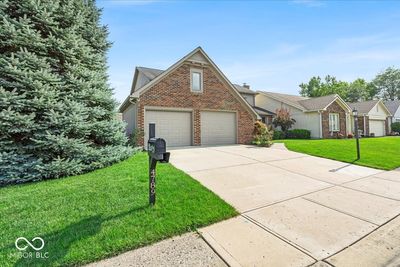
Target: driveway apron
296,209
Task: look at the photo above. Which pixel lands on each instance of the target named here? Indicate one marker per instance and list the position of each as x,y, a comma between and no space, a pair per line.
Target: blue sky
272,46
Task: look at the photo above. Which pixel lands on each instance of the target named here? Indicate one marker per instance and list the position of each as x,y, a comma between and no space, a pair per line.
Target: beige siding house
325,117
373,118
394,108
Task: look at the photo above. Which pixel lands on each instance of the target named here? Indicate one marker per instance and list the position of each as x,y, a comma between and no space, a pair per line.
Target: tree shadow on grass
58,243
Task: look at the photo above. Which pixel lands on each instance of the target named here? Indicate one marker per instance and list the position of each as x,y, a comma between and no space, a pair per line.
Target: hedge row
292,134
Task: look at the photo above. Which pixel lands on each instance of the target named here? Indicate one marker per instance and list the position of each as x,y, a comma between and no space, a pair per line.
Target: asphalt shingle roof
242,89
153,73
393,106
150,73
306,103
262,111
317,103
363,107
292,99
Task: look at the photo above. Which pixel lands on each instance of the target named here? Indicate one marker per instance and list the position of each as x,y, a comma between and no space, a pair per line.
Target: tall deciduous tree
57,113
317,87
358,90
388,83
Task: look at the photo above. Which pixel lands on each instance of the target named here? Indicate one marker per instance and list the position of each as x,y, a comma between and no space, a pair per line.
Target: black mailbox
157,151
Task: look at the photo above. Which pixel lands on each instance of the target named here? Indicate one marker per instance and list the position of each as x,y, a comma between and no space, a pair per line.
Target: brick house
191,103
325,117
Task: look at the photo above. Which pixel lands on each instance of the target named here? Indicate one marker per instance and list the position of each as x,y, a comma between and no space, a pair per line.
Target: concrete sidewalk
296,209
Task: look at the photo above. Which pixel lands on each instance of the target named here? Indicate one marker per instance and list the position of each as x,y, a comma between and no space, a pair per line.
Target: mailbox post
156,149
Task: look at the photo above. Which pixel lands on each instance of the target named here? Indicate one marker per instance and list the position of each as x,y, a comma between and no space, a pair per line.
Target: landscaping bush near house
135,136
283,119
262,135
298,134
292,134
396,127
278,135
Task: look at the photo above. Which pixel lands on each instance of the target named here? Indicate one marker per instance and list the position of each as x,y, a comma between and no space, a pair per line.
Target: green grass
100,214
381,153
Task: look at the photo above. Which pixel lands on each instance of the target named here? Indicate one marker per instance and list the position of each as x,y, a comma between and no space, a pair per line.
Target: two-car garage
176,127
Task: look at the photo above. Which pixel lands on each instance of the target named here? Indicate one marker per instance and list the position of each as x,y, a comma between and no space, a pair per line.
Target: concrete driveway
296,209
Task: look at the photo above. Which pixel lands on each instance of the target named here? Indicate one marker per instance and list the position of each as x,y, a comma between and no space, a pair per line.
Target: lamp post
355,115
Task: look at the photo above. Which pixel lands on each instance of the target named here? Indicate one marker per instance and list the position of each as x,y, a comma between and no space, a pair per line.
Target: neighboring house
191,103
249,95
326,116
394,109
373,117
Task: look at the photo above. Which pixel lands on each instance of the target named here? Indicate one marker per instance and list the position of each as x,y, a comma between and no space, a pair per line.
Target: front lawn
96,215
382,153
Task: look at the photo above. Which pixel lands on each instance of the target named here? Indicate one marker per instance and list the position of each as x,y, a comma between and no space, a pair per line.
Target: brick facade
333,108
361,124
173,91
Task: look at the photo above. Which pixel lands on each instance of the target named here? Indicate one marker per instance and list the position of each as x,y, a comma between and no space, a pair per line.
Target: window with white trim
196,80
334,123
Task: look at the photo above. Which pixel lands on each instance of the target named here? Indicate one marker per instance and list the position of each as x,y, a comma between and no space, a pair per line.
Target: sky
270,45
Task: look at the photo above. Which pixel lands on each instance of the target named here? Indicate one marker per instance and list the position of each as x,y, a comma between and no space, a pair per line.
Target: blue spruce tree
57,112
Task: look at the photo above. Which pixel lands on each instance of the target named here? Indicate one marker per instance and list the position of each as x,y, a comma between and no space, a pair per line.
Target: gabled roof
291,100
149,73
364,107
318,103
392,106
244,90
159,74
307,104
263,111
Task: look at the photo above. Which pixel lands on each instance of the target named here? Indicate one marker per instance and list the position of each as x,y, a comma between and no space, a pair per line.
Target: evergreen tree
57,112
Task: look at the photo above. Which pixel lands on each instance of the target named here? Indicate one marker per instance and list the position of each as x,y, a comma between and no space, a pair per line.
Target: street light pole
355,115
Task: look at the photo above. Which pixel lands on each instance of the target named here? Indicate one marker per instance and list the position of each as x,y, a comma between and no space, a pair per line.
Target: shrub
339,136
350,135
283,119
135,136
262,135
298,134
278,135
396,127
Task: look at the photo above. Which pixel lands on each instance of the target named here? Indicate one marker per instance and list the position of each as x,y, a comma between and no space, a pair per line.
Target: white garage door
174,126
377,127
218,128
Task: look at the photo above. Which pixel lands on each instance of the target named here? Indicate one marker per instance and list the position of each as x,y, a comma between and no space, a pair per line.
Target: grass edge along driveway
103,213
380,152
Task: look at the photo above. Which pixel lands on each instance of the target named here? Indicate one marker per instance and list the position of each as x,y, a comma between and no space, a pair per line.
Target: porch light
355,112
